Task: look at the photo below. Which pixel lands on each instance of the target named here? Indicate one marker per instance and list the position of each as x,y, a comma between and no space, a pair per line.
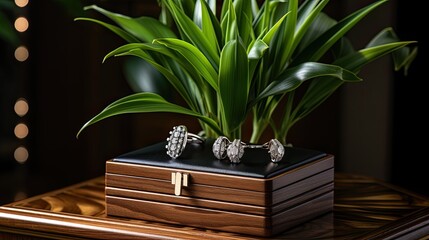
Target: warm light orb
21,107
21,130
21,3
21,155
21,24
21,53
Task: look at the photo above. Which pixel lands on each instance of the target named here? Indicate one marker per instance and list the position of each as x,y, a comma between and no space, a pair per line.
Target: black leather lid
199,157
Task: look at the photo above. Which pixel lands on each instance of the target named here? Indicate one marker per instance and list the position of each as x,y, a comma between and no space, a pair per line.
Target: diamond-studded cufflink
220,146
276,150
179,136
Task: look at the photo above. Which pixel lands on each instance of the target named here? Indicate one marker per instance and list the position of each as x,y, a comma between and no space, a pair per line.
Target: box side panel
302,198
303,213
305,185
302,172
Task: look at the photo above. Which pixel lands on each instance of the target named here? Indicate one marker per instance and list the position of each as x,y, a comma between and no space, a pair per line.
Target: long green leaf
244,20
140,50
293,77
194,57
144,28
233,84
354,62
229,24
319,91
270,34
320,25
118,31
143,77
146,103
166,63
187,6
403,57
308,12
194,34
225,9
256,52
283,40
322,44
212,5
205,19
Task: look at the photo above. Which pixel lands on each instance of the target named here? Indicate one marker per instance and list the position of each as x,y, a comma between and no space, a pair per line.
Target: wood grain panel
252,184
187,201
219,220
308,210
222,193
304,171
304,197
194,190
219,205
301,187
243,183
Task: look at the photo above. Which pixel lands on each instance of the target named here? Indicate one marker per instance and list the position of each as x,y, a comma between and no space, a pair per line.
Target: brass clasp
179,180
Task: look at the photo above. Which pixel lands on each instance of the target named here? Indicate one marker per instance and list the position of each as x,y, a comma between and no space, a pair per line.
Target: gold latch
178,180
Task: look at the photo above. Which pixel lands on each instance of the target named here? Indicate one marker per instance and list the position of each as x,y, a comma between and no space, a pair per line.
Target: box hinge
179,180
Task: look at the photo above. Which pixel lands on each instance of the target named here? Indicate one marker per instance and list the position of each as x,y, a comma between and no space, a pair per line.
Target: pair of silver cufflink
223,147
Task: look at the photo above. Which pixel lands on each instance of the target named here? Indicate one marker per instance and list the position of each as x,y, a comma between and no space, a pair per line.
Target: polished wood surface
364,208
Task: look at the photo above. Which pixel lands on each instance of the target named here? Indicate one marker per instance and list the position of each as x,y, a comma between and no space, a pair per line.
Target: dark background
66,83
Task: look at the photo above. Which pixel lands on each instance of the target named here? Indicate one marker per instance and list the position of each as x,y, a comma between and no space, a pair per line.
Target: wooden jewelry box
255,197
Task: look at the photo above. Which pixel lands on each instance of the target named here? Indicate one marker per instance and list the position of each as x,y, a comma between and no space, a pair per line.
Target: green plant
246,60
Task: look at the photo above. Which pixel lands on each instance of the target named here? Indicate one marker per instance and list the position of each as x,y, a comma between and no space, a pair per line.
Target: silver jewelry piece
179,136
220,146
235,150
276,150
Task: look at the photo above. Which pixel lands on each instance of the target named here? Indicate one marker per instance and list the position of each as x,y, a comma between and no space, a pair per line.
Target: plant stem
286,119
258,128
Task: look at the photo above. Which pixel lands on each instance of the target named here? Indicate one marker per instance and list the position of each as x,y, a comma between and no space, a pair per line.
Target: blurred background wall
54,67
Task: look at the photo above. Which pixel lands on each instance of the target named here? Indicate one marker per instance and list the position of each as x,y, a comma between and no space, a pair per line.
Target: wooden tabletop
365,208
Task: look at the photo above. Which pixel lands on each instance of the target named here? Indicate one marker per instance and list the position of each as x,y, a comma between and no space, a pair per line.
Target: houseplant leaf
193,33
144,28
143,77
194,57
319,91
144,103
253,57
322,44
233,85
118,31
293,77
208,23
